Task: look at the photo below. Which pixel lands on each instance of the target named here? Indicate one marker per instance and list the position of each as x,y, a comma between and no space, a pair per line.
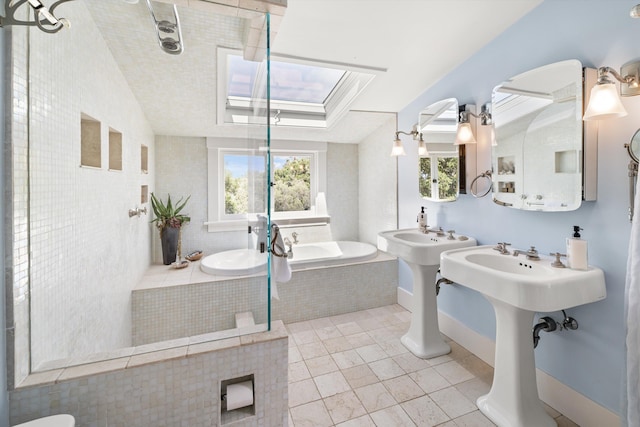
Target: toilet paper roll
239,395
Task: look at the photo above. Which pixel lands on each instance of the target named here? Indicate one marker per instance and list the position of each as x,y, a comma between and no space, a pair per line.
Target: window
303,93
438,178
238,184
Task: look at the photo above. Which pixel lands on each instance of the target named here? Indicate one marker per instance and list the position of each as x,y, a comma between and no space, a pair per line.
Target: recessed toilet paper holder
237,398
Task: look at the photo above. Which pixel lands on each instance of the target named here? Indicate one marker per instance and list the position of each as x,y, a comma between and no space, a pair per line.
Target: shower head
171,45
635,11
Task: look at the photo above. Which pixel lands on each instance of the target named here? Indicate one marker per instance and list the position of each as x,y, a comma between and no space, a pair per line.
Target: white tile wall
86,253
378,183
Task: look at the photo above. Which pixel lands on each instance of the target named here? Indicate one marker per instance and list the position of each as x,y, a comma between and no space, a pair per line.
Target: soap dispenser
577,251
422,220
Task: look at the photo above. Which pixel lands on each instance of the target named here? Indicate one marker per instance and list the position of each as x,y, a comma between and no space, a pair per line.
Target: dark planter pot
169,239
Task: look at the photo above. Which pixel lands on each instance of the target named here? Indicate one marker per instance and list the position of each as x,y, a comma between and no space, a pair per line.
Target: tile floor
351,370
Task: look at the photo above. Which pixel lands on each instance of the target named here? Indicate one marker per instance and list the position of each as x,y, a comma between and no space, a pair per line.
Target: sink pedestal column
513,400
424,339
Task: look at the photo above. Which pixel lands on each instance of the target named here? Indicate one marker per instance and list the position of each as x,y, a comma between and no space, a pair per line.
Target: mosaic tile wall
170,312
181,390
86,253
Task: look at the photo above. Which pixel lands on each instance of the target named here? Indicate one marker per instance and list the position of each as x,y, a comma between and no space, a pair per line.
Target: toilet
62,420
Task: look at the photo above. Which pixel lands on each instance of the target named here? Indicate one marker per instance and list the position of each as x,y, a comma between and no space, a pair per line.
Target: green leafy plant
168,214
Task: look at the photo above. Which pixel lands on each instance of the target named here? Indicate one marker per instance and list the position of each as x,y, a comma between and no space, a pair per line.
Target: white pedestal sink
517,288
421,252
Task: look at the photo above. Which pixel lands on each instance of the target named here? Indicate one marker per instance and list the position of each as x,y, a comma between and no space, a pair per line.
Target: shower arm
43,15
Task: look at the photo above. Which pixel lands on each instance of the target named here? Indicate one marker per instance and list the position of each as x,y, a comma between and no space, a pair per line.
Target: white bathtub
241,262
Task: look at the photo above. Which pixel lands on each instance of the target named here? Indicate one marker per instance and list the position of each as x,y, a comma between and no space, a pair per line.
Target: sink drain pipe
440,281
548,324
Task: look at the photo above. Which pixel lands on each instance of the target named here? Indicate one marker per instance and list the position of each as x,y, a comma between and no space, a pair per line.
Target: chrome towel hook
44,19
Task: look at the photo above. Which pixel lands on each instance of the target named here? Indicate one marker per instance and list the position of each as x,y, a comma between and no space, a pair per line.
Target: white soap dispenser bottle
577,257
422,220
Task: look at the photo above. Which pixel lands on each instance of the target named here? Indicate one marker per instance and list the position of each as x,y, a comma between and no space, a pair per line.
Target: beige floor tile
349,328
294,354
453,372
386,369
452,402
299,327
344,406
298,371
411,363
429,380
370,323
314,349
473,419
331,383
359,376
328,332
393,347
385,334
363,421
321,323
440,360
371,353
375,397
347,359
360,339
305,337
312,414
424,411
302,392
476,366
393,416
321,365
473,389
335,345
403,388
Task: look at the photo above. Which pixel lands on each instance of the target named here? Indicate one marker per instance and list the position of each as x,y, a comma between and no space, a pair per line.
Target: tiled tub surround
170,303
175,383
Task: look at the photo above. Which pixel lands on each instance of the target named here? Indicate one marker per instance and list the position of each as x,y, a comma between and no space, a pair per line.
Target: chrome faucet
502,248
289,245
295,237
532,253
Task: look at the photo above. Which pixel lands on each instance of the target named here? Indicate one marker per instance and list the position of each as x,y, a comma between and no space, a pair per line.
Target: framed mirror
439,167
537,158
633,148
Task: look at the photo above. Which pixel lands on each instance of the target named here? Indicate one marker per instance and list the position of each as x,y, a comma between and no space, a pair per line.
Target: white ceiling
415,41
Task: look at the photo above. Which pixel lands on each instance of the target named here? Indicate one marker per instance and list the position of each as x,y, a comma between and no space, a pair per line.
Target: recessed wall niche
115,150
144,194
90,142
144,159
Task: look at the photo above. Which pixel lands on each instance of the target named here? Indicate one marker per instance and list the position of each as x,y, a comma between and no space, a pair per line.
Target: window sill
241,225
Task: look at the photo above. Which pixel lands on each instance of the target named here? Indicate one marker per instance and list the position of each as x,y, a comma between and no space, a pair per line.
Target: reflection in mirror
438,169
633,148
537,159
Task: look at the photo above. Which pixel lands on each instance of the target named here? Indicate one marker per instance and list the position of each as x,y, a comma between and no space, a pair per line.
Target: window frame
435,172
218,220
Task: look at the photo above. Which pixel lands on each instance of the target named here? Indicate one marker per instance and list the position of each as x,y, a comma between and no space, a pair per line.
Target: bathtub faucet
295,237
289,245
261,230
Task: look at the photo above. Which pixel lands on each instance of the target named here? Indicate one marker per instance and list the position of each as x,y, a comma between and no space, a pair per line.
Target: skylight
302,95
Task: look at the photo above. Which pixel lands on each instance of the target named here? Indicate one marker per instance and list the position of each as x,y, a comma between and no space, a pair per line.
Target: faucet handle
502,247
451,234
557,263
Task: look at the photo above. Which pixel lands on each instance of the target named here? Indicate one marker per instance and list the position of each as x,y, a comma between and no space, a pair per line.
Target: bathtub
241,262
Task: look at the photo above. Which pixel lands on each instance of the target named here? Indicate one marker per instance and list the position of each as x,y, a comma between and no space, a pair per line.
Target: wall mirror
438,176
633,148
537,157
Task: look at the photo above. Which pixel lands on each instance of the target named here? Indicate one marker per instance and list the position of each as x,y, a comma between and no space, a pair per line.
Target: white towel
280,268
632,307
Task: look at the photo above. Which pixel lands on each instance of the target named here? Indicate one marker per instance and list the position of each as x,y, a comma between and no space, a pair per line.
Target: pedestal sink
422,253
517,288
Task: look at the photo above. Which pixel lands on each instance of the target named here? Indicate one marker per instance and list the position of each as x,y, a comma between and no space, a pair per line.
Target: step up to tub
244,320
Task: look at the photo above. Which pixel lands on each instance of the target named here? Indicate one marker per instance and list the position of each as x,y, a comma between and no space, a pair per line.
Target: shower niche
90,142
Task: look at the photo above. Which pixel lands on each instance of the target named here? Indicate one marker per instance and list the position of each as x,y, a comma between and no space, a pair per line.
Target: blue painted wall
589,360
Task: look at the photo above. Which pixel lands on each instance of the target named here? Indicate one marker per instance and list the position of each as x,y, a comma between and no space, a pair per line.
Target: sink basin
422,252
411,245
516,288
529,285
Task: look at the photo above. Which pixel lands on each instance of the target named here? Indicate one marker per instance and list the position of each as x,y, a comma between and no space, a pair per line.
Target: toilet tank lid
62,420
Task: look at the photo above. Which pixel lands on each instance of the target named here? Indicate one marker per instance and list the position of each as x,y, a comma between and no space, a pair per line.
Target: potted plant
169,221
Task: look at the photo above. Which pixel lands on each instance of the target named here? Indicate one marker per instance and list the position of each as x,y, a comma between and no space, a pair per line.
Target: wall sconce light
604,102
398,149
44,19
465,133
